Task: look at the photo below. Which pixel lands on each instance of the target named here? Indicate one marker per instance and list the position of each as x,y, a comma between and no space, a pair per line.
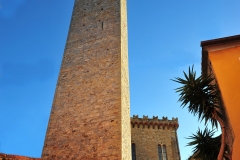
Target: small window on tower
133,151
162,152
160,157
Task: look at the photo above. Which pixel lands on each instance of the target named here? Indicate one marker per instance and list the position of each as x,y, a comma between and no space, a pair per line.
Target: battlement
154,122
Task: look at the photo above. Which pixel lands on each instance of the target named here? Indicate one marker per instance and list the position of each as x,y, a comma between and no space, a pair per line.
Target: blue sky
164,39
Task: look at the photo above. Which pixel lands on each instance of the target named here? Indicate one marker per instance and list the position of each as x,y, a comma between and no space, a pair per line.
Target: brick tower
90,113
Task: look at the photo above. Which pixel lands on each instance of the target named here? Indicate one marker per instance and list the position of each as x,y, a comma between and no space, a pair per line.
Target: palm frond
200,95
206,147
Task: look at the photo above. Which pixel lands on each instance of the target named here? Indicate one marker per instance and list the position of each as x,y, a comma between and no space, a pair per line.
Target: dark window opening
160,157
133,151
162,152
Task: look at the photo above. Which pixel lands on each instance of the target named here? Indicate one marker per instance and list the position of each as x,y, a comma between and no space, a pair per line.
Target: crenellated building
154,138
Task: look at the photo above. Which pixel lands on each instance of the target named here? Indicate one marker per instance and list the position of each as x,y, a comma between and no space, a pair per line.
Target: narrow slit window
164,152
102,25
133,151
160,156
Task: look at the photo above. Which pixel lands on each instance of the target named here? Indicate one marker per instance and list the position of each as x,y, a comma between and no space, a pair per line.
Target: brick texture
90,112
15,157
147,134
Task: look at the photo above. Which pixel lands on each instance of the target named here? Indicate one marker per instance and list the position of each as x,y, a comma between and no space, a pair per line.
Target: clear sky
164,39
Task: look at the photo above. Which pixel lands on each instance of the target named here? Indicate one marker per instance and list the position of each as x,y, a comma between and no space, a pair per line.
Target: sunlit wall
225,63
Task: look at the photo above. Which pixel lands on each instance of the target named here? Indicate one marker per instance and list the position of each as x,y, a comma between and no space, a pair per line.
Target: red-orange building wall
226,67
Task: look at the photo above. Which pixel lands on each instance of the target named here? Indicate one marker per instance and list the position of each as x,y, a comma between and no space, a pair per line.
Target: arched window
160,157
133,151
162,152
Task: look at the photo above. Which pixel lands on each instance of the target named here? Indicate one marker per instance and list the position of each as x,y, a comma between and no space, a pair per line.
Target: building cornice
220,41
214,45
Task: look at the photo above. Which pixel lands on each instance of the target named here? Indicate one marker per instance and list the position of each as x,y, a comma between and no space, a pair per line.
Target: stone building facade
154,139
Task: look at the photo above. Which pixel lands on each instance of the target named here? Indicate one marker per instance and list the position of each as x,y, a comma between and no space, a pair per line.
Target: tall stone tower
90,116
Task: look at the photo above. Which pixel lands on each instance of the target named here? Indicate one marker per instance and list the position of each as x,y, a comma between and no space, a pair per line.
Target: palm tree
205,145
202,98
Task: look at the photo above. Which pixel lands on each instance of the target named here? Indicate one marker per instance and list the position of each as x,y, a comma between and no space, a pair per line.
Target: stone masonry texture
147,134
90,112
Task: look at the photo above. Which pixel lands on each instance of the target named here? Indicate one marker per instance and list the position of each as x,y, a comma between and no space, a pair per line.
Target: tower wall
90,112
147,134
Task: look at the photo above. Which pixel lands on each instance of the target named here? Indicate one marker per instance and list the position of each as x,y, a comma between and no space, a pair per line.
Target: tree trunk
223,143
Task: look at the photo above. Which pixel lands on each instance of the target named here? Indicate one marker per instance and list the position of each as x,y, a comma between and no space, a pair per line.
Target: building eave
220,41
216,44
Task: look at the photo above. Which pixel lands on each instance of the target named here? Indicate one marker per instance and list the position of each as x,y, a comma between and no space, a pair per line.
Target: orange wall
226,65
